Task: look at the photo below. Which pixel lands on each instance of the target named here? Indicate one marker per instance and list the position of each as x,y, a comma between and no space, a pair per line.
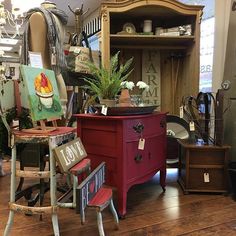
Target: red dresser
115,140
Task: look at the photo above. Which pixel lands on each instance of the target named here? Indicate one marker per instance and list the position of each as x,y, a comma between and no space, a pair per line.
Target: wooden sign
69,154
89,187
151,75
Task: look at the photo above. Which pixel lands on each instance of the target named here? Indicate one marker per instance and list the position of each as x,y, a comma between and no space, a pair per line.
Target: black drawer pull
138,128
163,123
138,158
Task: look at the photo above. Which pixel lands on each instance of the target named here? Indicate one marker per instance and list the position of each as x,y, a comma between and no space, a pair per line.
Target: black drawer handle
163,123
138,128
138,158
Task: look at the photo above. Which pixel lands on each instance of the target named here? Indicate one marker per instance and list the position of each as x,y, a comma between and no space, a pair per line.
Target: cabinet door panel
141,162
111,167
136,161
156,147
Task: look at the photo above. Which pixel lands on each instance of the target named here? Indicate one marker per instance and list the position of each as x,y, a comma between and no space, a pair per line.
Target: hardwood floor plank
149,212
228,228
187,224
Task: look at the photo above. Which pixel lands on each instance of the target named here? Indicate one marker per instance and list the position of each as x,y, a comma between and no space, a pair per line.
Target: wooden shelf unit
179,55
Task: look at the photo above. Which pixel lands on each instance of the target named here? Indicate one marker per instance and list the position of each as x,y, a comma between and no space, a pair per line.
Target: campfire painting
43,94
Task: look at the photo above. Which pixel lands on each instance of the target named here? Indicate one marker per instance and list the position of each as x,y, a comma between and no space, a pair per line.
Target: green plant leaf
106,82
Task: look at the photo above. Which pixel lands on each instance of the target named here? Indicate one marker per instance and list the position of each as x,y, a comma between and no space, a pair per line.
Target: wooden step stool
90,192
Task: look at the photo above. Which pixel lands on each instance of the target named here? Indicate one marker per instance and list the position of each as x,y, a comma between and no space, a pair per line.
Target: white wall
222,11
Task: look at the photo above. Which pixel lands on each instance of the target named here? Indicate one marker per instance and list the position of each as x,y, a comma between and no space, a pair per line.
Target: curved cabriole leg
163,179
100,224
113,210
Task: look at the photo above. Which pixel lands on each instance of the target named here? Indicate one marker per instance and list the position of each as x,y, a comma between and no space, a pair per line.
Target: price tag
181,112
53,59
77,50
15,123
206,178
36,59
141,144
104,110
191,126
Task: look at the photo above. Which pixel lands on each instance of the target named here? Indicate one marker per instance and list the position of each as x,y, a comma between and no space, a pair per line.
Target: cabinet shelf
145,41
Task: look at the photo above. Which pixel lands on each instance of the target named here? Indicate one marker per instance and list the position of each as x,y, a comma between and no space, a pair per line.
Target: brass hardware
163,123
138,128
138,158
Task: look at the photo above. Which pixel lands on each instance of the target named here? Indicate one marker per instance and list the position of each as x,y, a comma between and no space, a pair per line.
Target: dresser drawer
151,126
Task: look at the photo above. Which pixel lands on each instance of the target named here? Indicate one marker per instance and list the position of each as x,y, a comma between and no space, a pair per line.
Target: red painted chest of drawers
113,139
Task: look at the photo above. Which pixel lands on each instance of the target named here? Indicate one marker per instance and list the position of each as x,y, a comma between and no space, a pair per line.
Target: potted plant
106,83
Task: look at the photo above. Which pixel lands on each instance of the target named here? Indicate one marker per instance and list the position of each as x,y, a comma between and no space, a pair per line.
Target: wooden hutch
178,55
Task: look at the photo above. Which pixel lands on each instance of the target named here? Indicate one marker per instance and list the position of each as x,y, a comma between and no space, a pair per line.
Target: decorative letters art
89,187
69,154
151,75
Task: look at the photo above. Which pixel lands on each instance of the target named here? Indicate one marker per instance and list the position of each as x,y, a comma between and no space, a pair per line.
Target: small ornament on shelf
124,98
142,88
127,100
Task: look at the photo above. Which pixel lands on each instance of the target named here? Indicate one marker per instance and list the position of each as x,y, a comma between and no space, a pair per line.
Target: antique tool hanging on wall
174,76
199,112
73,79
78,14
219,128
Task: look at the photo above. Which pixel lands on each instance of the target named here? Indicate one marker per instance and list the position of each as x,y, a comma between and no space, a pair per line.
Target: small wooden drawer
209,157
216,179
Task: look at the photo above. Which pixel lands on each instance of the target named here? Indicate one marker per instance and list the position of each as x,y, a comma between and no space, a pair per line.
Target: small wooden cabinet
169,64
113,139
203,168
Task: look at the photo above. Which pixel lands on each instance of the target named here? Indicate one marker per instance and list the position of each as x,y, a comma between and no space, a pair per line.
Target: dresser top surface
102,117
187,144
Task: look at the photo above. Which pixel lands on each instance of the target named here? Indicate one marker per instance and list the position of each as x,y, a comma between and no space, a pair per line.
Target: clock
129,28
225,85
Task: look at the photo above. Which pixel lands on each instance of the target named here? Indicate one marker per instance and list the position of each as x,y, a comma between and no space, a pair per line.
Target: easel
42,128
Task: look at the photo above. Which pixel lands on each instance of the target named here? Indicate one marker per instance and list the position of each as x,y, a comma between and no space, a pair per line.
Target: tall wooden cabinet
178,69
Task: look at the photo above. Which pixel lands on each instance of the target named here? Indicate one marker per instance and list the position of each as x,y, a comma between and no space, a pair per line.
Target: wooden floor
149,212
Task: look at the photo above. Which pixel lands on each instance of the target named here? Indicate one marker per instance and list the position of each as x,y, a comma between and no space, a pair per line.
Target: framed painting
42,91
